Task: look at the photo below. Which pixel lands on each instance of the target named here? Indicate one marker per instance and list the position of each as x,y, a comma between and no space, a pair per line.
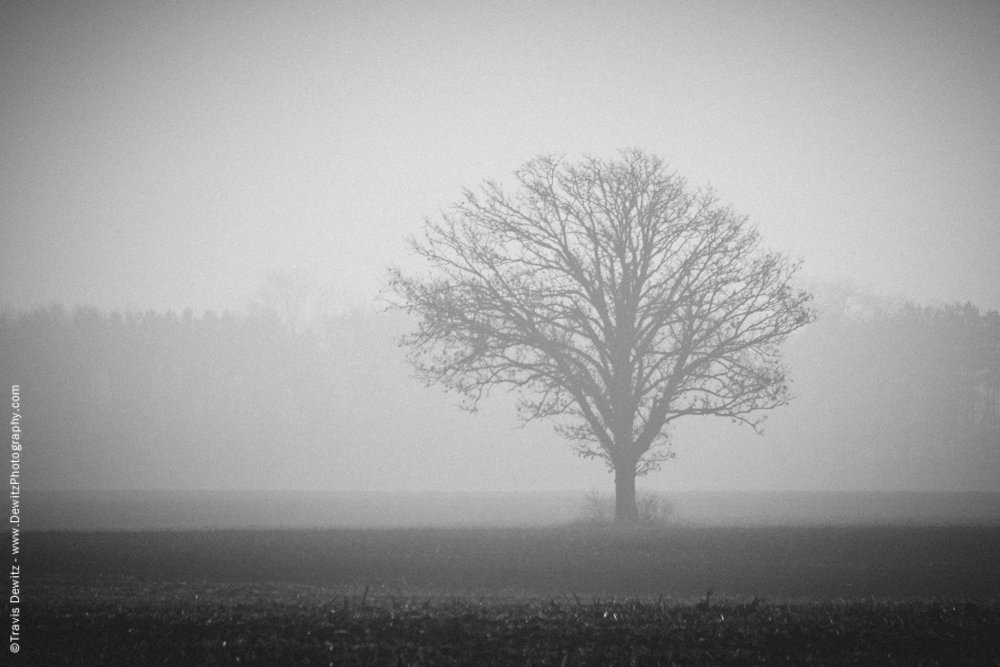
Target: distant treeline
132,400
904,394
896,396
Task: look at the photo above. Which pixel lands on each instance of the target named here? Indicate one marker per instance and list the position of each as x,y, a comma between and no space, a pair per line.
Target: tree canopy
611,296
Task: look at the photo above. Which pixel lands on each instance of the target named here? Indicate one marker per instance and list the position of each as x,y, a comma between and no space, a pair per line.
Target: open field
562,596
186,510
198,624
679,562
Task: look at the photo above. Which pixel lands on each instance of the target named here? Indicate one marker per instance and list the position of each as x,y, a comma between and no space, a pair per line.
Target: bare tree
288,295
610,296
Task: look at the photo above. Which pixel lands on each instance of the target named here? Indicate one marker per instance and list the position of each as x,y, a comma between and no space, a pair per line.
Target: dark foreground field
558,596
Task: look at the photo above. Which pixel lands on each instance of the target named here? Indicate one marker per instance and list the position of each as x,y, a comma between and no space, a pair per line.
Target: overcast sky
159,155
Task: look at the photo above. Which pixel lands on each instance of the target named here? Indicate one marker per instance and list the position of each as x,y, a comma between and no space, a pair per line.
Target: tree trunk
626,512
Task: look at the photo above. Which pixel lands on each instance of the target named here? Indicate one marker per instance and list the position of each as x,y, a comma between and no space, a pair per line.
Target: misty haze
388,333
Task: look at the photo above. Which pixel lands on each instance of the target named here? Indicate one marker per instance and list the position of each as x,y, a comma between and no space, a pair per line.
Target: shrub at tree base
652,509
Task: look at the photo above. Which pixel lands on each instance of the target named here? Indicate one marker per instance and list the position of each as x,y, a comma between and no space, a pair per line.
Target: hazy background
161,157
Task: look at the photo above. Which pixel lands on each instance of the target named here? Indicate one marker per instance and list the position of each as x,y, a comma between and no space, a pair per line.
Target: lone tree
611,296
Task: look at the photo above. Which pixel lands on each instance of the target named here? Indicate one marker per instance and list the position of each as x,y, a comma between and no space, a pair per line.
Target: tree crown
609,294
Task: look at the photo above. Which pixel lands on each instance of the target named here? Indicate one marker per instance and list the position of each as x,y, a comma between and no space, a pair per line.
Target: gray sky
165,155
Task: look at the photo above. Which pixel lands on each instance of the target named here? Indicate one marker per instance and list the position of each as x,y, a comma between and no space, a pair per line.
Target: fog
161,161
886,397
156,156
